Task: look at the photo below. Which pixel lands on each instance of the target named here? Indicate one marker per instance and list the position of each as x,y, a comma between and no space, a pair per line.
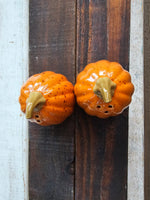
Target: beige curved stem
104,89
35,101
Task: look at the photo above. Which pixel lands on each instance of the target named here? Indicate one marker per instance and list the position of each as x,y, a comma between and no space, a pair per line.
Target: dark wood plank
101,145
147,95
52,47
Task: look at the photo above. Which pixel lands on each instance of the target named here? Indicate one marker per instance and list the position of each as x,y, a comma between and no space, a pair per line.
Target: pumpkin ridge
58,98
121,84
59,107
83,93
46,82
120,95
62,82
56,110
70,102
61,93
86,98
125,91
125,72
117,76
51,95
47,87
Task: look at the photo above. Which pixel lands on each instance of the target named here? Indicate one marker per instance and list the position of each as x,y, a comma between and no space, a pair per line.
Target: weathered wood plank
147,95
52,47
14,143
101,145
136,111
14,71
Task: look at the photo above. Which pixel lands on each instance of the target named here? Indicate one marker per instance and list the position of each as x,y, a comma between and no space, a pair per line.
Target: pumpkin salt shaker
103,89
47,98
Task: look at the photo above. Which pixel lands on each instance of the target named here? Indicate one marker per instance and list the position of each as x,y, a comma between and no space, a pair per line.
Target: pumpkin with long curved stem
47,98
104,89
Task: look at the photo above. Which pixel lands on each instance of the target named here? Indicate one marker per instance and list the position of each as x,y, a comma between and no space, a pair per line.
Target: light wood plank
136,111
14,71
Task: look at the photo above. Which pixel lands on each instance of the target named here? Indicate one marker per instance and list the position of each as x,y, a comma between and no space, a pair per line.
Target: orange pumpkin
103,89
47,98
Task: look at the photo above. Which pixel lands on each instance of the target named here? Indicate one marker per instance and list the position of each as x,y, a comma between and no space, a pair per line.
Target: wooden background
73,159
147,95
84,157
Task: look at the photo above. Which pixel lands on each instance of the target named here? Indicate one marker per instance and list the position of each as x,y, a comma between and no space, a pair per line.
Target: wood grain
14,138
101,145
14,72
136,109
52,47
147,94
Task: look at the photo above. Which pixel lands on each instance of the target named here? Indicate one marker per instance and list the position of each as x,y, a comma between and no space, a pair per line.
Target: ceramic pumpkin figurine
103,89
47,98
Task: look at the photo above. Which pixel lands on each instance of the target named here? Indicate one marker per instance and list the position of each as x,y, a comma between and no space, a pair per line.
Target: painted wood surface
103,29
52,48
14,71
136,111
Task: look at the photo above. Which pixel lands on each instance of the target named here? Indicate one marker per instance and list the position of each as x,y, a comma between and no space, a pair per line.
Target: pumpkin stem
34,102
104,89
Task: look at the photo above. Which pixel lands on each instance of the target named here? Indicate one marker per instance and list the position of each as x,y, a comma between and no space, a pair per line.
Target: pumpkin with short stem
103,89
47,98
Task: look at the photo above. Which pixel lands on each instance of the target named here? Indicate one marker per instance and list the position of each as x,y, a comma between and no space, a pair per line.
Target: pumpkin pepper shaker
47,98
103,89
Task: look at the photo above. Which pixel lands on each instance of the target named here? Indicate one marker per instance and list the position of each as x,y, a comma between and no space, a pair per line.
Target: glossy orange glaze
59,95
90,102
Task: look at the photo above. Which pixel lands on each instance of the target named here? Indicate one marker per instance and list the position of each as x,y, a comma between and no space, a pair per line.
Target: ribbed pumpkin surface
90,102
57,91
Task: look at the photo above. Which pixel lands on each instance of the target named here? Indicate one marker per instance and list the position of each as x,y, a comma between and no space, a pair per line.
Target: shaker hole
106,111
110,106
38,120
98,106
